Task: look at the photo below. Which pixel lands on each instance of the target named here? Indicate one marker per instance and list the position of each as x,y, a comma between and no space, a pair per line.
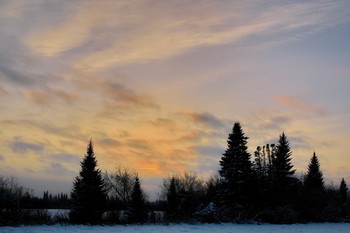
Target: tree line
261,187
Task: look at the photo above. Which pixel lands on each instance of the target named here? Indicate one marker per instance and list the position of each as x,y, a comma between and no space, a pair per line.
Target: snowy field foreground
200,228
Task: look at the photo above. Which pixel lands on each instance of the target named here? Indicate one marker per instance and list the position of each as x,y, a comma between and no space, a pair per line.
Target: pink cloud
299,105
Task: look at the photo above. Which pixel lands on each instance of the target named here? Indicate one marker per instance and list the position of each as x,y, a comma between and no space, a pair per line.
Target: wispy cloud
65,158
299,105
48,96
3,92
101,38
208,119
19,146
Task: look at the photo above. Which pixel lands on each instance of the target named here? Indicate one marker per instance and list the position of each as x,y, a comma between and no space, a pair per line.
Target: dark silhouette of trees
263,190
58,201
314,200
120,185
236,186
343,191
89,194
11,194
282,165
314,177
284,184
343,199
17,203
264,161
171,210
138,209
184,195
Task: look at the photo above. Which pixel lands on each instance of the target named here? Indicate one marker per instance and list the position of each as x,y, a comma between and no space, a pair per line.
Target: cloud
300,143
50,95
265,120
112,92
14,75
139,144
209,150
71,131
296,142
3,92
59,169
119,33
21,147
109,142
167,123
65,157
207,119
120,93
297,104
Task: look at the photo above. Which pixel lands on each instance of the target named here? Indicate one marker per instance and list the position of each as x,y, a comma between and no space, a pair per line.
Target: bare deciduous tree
120,183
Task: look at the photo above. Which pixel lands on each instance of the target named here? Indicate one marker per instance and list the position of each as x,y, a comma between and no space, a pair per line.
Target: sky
157,85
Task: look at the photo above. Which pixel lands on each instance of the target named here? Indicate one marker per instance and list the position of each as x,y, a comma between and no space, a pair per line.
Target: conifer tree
314,192
88,194
236,169
343,191
343,199
138,210
172,201
314,177
282,165
284,186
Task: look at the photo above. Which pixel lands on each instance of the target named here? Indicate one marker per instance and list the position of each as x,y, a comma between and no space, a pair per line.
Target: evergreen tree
172,201
314,192
138,210
343,199
282,165
314,177
89,194
343,191
236,170
284,187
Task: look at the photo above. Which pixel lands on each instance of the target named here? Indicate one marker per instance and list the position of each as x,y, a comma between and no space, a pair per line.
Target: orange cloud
3,92
49,95
296,104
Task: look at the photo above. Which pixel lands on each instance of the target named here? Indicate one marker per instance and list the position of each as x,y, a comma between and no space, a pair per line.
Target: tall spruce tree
236,169
282,165
284,185
314,192
314,177
172,201
88,194
343,191
343,199
138,210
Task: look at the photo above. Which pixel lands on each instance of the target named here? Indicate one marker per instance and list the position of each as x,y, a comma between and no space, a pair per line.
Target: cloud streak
19,146
296,104
125,41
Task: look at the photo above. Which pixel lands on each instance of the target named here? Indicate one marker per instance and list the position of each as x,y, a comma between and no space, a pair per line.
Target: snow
185,228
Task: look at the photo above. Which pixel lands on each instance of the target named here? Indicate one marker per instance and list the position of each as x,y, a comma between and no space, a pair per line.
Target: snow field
185,228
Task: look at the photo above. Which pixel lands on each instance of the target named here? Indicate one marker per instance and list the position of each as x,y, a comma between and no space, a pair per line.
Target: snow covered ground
185,228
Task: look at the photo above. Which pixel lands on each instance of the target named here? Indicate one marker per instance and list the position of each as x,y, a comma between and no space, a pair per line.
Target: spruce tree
284,186
138,210
343,191
172,201
314,192
314,177
343,199
282,165
88,194
236,169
